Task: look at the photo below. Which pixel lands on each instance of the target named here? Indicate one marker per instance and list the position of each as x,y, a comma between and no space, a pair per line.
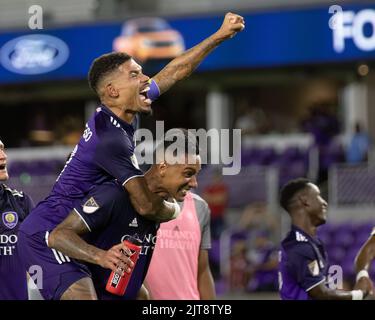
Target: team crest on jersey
10,219
314,268
90,206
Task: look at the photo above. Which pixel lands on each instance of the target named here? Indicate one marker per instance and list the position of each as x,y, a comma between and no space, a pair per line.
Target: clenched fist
232,24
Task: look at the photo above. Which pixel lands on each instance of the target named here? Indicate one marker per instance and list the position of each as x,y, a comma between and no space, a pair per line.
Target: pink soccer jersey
173,269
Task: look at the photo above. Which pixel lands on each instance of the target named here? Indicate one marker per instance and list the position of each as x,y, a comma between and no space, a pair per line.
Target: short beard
148,113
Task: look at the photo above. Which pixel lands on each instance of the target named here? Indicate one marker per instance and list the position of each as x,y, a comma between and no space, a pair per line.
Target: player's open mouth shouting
143,95
3,167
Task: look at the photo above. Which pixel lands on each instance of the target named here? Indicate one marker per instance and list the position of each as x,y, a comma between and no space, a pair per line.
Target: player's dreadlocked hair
103,66
290,189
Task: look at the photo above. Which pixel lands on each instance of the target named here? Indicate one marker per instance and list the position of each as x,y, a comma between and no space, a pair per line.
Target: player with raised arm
106,149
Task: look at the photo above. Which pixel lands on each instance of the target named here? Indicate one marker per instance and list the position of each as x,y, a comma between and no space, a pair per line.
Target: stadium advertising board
272,38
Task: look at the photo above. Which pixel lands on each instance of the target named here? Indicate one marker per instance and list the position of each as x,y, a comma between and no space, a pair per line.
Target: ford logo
34,54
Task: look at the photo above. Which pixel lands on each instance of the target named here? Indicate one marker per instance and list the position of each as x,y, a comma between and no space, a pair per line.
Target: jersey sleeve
96,208
206,230
303,265
204,215
154,91
115,154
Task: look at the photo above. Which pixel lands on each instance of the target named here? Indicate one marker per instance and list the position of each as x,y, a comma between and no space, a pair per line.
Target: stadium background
289,81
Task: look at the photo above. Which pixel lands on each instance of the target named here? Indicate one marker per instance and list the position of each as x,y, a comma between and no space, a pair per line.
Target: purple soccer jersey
303,265
14,207
109,215
104,152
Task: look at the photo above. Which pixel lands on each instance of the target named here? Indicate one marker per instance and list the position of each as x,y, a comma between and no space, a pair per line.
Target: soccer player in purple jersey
106,149
94,230
303,262
14,207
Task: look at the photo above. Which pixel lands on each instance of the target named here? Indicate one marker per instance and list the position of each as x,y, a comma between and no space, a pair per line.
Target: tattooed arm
182,66
66,238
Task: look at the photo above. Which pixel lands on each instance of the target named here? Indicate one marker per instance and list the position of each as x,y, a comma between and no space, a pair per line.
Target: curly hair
104,65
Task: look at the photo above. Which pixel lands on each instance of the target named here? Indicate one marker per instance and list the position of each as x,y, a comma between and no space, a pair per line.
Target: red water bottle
116,283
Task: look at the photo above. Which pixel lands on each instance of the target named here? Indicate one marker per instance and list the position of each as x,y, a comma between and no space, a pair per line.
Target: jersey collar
123,123
306,235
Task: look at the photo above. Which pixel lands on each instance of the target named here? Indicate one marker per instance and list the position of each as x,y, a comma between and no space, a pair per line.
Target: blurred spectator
255,217
324,126
70,130
246,122
40,133
251,120
216,195
358,147
238,267
254,258
262,257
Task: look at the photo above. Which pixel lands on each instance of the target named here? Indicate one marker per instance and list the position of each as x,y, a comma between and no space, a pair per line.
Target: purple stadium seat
344,238
361,238
267,156
291,152
348,268
343,241
365,227
336,254
333,154
239,235
214,253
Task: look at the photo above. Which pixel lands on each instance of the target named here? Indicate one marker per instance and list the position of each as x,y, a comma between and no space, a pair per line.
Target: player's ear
303,199
162,166
111,91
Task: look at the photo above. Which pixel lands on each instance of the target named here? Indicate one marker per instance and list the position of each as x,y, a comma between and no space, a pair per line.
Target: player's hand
117,259
232,24
364,284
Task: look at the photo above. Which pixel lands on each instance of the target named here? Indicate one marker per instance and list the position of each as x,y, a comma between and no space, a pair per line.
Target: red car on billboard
149,38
